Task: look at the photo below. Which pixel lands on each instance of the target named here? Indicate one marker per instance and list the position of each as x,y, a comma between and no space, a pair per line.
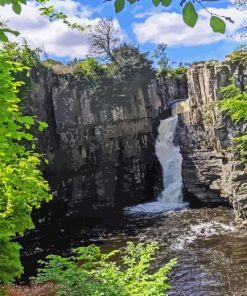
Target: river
211,250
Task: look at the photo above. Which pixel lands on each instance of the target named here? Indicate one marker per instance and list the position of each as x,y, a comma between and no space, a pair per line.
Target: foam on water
169,155
201,230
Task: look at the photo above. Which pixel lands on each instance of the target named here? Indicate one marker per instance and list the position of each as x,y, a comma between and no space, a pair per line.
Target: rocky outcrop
101,153
212,171
167,91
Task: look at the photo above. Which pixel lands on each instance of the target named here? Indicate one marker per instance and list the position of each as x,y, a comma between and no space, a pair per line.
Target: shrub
89,68
176,72
91,273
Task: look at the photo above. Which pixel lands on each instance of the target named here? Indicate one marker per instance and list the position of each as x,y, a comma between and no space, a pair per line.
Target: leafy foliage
130,63
49,11
190,15
92,273
176,72
89,68
239,56
22,53
22,186
234,102
161,56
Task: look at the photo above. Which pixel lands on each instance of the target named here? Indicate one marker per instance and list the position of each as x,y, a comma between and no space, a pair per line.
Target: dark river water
211,250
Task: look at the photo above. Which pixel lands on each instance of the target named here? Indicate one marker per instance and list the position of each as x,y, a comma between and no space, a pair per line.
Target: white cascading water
171,198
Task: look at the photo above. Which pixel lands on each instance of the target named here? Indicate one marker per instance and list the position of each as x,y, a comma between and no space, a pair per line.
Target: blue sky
214,50
141,24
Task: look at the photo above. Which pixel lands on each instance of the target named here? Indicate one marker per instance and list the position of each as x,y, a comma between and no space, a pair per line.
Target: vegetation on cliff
234,97
234,102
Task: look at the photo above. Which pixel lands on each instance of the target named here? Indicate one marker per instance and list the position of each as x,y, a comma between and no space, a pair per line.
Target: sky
141,24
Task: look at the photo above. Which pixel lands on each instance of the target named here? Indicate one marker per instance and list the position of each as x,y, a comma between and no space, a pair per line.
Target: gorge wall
102,154
212,172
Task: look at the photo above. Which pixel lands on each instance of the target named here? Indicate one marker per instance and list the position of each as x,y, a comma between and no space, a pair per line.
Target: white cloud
169,28
54,37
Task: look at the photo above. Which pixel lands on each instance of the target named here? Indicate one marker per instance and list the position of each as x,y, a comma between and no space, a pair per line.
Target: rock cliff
211,171
101,154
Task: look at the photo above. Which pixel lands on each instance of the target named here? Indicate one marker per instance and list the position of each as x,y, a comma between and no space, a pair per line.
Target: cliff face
211,171
101,154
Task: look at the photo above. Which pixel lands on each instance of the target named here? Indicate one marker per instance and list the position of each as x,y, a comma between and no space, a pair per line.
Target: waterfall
171,198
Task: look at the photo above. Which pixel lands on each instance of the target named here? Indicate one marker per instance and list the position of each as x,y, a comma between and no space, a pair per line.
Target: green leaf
16,33
166,2
42,125
119,5
132,1
28,137
16,8
156,2
28,120
3,37
217,24
190,15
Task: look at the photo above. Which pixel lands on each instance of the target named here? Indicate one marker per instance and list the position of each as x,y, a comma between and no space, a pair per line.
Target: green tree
161,56
22,53
130,63
89,272
89,68
22,186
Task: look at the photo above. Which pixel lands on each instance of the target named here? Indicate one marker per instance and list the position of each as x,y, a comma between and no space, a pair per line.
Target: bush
176,72
91,273
89,68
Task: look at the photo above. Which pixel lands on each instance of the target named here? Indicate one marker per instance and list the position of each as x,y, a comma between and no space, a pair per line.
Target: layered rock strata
212,170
